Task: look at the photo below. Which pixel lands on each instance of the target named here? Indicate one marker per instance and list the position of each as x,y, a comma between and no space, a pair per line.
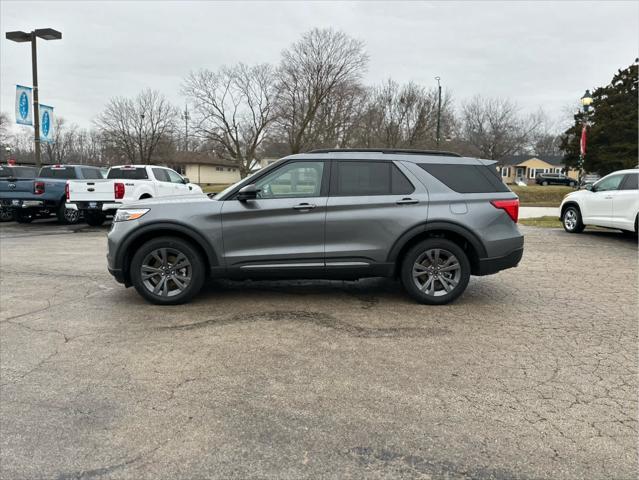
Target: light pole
19,36
186,117
439,111
586,102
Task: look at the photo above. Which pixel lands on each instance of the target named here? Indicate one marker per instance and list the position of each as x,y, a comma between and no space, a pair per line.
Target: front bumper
488,266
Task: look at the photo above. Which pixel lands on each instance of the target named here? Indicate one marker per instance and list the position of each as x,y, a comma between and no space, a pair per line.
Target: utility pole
186,117
439,111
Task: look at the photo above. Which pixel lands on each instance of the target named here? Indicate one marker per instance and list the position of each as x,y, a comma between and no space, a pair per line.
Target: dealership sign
24,114
46,124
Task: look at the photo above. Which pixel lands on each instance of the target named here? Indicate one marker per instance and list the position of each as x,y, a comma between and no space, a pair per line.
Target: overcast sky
535,53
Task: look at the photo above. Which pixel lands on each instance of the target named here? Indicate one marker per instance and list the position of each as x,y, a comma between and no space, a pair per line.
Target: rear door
164,186
283,228
625,202
371,203
598,205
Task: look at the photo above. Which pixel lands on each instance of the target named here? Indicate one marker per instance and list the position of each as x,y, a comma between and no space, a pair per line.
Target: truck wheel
435,271
95,219
23,216
167,271
6,214
67,216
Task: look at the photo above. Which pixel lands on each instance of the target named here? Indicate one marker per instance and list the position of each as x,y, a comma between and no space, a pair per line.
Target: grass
540,196
213,187
545,222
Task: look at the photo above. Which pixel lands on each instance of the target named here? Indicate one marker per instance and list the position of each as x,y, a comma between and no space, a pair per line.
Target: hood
169,200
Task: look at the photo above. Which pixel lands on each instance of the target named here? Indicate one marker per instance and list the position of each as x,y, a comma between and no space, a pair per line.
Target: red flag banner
582,142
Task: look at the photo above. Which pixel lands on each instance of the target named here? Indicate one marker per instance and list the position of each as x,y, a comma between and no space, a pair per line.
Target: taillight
511,207
66,190
118,189
38,188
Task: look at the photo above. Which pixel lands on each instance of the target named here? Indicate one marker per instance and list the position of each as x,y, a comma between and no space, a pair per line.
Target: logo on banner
23,105
46,124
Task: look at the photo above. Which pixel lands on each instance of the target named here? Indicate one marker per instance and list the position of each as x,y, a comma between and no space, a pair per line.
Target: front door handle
407,201
304,206
608,198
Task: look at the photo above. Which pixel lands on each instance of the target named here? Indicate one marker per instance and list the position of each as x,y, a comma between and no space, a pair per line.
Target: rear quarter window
463,178
128,174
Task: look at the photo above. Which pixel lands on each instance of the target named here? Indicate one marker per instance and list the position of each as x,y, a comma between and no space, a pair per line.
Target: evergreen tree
612,134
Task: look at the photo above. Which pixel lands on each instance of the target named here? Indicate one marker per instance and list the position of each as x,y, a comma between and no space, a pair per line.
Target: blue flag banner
46,124
24,105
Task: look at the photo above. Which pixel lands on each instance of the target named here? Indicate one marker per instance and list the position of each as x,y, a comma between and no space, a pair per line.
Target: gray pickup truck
46,194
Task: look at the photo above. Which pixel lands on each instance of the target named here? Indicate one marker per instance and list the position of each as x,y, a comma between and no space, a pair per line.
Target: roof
411,156
511,160
388,151
200,158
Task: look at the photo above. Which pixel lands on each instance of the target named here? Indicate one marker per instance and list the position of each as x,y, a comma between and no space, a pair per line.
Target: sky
538,54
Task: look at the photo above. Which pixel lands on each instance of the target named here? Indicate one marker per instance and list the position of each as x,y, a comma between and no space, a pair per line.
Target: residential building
524,168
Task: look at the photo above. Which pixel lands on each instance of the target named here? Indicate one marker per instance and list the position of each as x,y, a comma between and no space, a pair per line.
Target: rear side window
90,173
466,178
67,173
128,174
368,178
161,175
631,182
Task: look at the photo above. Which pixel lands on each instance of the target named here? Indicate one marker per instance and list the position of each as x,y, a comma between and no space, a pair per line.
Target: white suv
612,202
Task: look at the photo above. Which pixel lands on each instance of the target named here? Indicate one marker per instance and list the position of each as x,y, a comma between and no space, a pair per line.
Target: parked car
46,193
612,202
126,183
554,179
430,218
9,175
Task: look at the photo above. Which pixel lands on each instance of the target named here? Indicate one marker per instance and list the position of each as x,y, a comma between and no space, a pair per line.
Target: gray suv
431,219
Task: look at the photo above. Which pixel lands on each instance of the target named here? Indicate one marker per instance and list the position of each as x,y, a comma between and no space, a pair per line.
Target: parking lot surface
531,374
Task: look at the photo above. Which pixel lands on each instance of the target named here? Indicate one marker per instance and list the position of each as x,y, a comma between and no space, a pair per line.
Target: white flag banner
46,123
24,105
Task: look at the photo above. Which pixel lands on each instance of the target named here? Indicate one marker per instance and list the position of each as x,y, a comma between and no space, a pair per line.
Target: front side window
608,183
174,177
293,180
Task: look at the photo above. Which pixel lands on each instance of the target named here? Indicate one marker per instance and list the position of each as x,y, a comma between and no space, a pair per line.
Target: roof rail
401,151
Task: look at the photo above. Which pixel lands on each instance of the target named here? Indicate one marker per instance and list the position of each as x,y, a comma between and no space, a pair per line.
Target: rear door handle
407,201
304,206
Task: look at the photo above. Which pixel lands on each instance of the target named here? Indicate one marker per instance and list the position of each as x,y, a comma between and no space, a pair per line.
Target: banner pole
36,109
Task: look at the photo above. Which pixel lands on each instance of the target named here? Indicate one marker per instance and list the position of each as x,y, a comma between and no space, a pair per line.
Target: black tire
67,216
94,219
173,248
6,214
23,216
457,281
571,219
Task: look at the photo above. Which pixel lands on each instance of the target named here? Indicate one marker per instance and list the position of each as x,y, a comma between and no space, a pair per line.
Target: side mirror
590,187
186,179
248,192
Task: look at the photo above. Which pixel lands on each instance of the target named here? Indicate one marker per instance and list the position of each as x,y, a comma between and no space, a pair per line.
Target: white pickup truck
126,183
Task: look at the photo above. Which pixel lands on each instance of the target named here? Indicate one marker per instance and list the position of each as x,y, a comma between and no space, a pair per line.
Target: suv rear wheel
435,271
167,271
571,220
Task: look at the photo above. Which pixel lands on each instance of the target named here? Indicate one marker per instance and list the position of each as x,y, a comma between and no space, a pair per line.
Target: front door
283,228
598,204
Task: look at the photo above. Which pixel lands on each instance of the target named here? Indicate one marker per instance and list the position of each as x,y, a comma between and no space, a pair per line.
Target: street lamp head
18,36
48,34
586,100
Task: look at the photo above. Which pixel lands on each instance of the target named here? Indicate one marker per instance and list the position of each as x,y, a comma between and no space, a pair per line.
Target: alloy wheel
436,272
71,216
166,272
570,219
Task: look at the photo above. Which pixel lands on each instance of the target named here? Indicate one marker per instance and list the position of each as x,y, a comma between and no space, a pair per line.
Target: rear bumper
488,266
23,203
94,206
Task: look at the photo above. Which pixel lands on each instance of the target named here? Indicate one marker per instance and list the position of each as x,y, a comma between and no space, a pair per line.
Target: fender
168,227
432,226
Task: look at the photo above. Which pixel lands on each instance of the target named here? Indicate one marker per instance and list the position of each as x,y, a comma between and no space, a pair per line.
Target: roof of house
511,160
200,158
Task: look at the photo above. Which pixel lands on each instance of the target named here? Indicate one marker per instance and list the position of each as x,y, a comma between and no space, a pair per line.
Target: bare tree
233,110
136,126
494,127
62,147
320,65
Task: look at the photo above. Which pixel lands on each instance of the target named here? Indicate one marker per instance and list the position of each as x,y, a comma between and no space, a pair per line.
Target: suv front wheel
435,271
571,220
167,271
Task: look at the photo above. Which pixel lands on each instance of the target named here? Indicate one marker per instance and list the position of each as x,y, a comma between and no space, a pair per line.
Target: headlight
126,214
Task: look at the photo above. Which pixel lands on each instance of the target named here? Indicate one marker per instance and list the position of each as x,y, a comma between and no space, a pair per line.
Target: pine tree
612,134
